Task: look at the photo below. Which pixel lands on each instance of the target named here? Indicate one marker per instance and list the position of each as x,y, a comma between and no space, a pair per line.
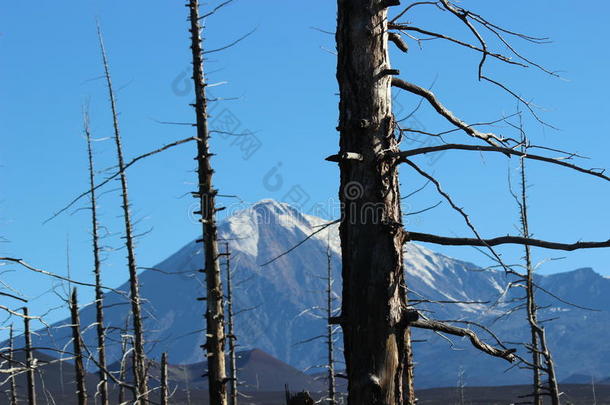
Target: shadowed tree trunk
214,315
99,294
330,329
139,355
29,358
231,330
79,368
134,363
374,301
164,389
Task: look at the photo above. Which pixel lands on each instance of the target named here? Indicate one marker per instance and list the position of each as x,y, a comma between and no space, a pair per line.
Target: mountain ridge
277,300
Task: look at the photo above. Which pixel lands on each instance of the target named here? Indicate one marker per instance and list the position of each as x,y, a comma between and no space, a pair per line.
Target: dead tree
122,369
330,335
11,358
79,367
532,310
99,293
231,329
29,358
214,315
375,316
374,302
460,387
538,346
139,354
164,385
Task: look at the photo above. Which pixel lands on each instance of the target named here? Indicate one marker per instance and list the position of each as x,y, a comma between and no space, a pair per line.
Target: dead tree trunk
134,364
29,358
99,293
460,387
538,347
11,358
215,337
164,389
122,368
139,354
411,399
330,330
374,299
231,330
79,368
550,369
531,302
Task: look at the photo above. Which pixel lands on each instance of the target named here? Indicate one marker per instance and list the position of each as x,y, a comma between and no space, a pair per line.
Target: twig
114,175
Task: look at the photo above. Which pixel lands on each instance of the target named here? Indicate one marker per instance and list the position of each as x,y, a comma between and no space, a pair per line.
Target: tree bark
99,293
79,368
410,398
550,369
13,382
329,330
121,395
164,385
374,293
29,358
215,336
139,362
231,331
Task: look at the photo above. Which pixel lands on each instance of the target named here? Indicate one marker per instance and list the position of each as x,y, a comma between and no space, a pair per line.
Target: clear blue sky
284,77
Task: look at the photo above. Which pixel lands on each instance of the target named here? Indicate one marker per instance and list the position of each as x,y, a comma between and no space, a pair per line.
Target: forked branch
490,138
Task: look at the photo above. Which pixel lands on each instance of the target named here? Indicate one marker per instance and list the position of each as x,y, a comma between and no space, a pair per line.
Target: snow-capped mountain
277,303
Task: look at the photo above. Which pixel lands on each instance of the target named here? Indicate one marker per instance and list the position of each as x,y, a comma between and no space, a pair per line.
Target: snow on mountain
274,303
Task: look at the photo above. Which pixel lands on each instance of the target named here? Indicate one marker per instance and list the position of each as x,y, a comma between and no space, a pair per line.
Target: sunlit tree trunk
29,358
214,315
373,314
134,286
97,271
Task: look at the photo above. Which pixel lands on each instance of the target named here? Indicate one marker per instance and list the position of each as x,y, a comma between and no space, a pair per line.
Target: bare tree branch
114,175
57,276
490,138
503,240
506,354
403,155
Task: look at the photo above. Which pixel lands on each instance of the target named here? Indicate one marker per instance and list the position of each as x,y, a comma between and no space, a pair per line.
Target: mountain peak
273,219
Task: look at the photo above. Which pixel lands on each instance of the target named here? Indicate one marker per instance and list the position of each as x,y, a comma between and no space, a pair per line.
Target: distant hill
256,371
55,384
259,374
